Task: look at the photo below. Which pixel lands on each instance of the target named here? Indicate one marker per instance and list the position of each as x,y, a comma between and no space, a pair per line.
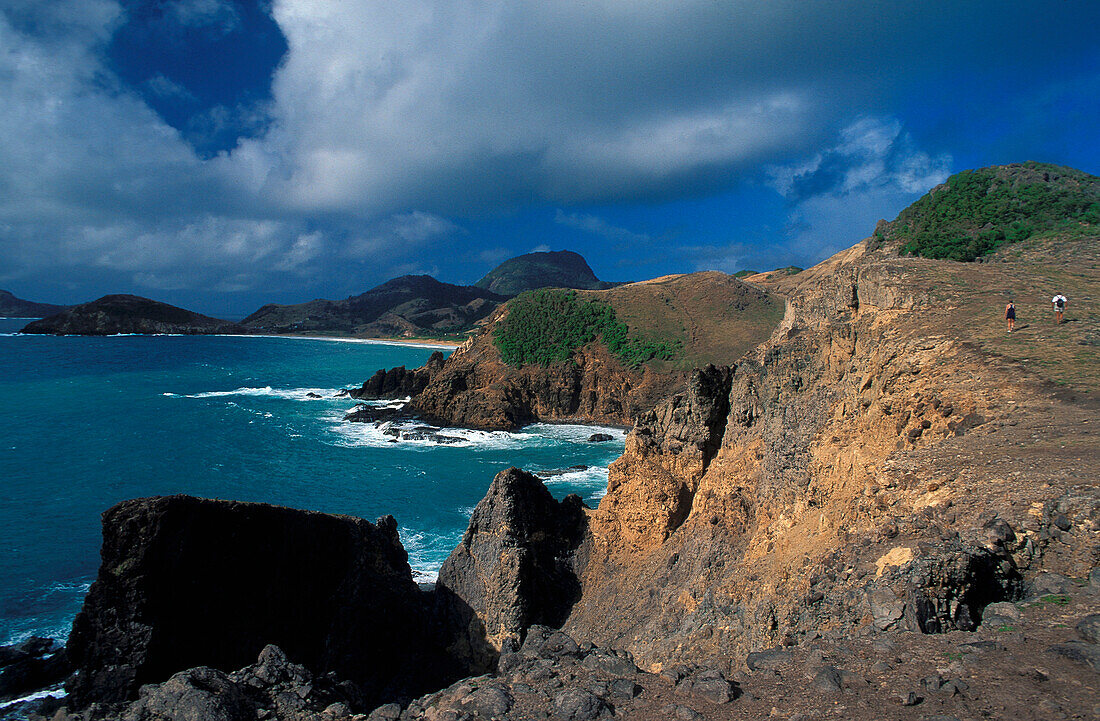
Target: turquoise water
88,422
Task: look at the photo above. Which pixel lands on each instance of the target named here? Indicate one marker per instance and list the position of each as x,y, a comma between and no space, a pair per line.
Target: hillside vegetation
975,212
546,326
670,323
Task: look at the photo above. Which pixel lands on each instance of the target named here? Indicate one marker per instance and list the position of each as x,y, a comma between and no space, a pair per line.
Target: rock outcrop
122,314
188,582
30,665
866,468
516,565
399,382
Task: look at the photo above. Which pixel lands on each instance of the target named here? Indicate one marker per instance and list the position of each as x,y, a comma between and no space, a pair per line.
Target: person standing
1059,302
1010,315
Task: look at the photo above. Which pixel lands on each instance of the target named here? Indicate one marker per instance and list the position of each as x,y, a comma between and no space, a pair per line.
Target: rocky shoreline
867,516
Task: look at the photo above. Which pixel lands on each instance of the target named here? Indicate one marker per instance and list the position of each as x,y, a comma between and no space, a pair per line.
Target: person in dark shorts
1059,302
1010,315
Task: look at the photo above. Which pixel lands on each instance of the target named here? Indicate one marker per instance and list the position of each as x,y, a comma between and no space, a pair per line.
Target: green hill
977,211
675,322
556,269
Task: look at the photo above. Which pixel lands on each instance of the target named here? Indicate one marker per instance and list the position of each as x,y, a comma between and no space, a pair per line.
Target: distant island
12,307
117,314
421,306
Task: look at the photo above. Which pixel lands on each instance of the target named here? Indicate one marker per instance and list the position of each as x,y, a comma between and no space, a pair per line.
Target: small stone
911,699
1089,628
828,678
388,712
1061,522
684,713
767,660
881,667
576,704
1086,653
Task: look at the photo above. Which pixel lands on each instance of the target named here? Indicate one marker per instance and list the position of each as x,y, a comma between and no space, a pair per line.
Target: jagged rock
188,582
365,413
1047,584
30,665
398,382
515,564
709,684
828,678
999,614
577,704
599,437
197,694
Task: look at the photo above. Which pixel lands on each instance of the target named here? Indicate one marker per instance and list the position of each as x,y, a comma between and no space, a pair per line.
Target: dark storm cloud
380,115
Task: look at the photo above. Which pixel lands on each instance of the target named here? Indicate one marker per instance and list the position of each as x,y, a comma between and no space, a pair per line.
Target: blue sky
220,155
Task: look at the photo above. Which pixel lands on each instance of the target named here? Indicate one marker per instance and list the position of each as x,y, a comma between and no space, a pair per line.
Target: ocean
91,421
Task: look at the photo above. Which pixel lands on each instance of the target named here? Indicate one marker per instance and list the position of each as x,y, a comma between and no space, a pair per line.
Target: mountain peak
544,269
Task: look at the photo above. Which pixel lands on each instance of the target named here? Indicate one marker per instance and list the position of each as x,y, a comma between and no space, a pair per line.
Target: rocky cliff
188,582
708,317
870,466
120,314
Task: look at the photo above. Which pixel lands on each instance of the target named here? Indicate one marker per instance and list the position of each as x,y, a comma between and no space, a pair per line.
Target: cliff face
866,468
187,582
706,317
475,389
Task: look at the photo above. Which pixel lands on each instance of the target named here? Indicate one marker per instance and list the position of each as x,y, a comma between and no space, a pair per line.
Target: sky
222,154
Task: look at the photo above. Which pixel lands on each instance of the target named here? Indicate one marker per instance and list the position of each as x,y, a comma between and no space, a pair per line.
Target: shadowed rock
516,564
188,582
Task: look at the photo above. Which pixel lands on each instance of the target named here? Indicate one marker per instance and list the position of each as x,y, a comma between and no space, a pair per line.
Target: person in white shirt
1059,302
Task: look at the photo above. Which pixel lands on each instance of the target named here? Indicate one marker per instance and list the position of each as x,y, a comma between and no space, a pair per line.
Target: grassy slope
1030,273
715,316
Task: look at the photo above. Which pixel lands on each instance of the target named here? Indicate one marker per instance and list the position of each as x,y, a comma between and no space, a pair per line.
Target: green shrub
980,210
546,326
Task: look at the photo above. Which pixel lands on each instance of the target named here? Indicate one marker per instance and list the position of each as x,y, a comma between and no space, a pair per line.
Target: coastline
409,342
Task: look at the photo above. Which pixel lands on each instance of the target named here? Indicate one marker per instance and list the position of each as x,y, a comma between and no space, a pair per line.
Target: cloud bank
395,125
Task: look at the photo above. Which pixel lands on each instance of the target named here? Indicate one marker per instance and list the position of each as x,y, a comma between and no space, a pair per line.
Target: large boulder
188,582
516,564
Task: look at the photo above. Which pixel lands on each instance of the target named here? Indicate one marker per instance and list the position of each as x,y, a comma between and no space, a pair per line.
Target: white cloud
390,124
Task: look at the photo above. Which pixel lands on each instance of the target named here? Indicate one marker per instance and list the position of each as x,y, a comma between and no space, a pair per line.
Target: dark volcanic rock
398,382
515,565
188,582
599,437
31,665
114,314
